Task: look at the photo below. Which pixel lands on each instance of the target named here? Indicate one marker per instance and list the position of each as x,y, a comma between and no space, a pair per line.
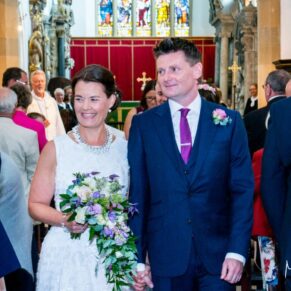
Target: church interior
240,41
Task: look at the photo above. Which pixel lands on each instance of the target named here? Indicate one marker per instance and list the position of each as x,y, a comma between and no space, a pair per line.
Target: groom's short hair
175,44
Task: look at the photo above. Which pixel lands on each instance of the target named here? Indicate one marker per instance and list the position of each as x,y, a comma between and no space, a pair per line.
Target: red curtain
128,58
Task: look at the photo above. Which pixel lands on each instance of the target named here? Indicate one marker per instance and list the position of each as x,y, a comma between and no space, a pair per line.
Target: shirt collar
39,98
194,106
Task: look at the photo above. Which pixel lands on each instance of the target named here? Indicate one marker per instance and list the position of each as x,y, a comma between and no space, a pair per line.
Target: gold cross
144,79
234,68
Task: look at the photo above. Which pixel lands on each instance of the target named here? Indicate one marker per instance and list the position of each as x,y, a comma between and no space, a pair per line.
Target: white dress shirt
192,117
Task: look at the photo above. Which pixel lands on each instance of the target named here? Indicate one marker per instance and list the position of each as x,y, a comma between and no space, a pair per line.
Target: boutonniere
220,117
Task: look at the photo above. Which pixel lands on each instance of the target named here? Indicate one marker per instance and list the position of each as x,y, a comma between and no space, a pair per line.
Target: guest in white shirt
43,103
252,102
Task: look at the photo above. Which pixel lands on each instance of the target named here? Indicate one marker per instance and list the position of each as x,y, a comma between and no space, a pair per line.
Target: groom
191,177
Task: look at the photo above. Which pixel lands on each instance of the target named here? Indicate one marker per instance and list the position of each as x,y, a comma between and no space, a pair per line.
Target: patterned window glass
163,17
124,18
143,18
105,13
181,17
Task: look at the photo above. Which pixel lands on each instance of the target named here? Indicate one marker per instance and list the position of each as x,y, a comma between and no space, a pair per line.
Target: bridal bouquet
98,202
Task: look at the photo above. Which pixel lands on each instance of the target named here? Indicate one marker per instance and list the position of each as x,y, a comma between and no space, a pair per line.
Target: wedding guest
24,99
208,92
18,142
256,122
252,102
14,75
43,103
59,94
276,182
65,263
17,224
148,101
160,97
37,116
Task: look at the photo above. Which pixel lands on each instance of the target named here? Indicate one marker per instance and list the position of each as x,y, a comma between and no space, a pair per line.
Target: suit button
189,221
186,172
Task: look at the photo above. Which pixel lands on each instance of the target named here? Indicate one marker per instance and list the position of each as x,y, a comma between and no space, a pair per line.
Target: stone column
248,29
61,49
9,56
217,60
154,18
224,65
285,22
250,68
268,40
133,17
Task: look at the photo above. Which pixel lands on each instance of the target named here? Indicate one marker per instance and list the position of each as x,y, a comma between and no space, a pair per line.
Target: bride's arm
42,188
42,191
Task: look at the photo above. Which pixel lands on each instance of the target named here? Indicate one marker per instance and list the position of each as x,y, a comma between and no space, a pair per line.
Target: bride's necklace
96,149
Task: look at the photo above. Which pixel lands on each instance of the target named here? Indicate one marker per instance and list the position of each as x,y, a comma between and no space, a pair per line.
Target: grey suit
22,146
14,213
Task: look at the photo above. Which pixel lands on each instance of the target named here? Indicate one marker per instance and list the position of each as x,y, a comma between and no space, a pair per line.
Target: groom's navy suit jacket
207,202
276,178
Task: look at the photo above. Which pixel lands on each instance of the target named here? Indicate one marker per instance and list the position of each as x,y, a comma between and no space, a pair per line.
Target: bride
66,264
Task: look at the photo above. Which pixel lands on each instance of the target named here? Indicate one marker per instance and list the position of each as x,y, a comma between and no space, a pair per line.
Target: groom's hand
143,279
231,270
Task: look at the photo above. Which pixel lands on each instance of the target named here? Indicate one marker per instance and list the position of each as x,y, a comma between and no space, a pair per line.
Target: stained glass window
143,17
124,17
181,17
163,17
105,17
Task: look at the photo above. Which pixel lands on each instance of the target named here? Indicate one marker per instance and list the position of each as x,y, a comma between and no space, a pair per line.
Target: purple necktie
185,135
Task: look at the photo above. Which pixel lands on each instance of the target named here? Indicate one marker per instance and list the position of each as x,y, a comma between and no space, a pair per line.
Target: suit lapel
204,139
164,127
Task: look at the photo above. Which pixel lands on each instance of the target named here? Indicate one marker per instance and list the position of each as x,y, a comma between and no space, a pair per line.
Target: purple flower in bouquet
96,194
120,240
95,173
76,201
94,209
112,216
76,181
124,234
113,177
108,232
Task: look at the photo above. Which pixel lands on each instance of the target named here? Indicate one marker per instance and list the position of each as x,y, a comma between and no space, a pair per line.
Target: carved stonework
236,32
36,41
49,45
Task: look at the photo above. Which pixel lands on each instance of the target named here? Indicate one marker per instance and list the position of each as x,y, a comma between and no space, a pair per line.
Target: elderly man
256,121
43,103
19,143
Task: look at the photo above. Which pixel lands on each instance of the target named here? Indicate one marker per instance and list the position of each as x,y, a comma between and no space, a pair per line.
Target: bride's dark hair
98,74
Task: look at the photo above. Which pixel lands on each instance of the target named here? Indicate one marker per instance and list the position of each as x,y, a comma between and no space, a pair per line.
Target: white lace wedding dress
66,264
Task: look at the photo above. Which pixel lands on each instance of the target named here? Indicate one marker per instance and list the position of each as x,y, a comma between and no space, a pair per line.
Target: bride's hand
75,227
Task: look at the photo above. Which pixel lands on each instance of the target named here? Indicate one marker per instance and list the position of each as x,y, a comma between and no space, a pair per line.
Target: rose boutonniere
220,117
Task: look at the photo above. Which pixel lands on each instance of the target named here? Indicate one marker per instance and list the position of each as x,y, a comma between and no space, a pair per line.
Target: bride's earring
109,110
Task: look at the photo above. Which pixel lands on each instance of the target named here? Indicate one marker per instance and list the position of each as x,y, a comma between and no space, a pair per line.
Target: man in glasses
256,122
